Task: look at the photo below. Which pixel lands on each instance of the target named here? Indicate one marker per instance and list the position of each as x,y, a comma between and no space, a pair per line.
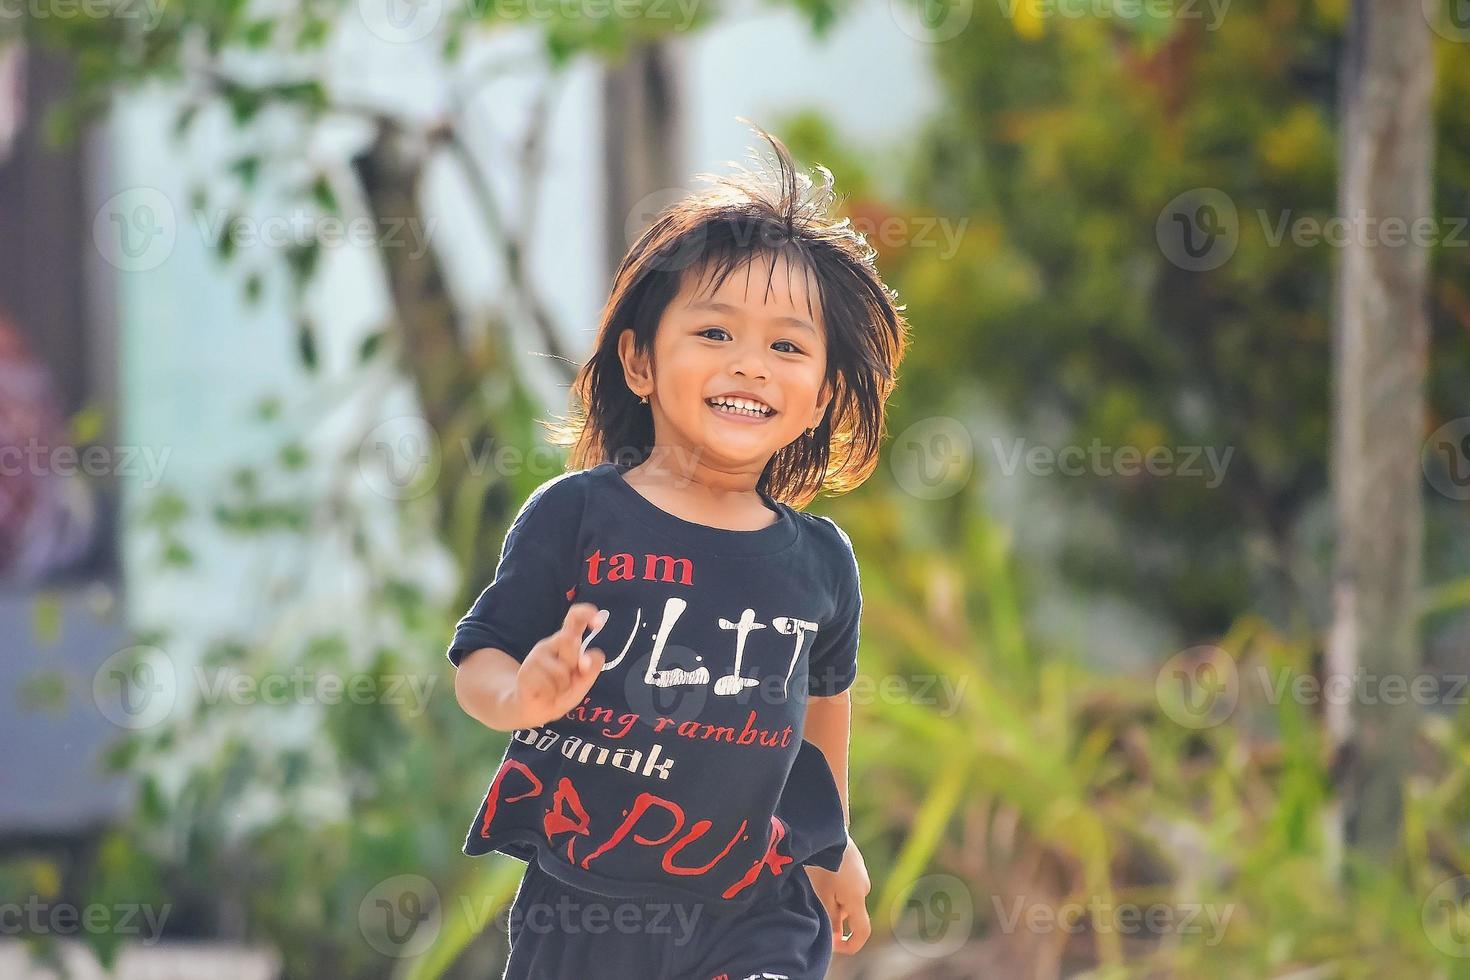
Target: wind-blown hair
747,215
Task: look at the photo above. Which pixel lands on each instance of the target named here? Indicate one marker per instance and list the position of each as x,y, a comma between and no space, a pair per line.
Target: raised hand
555,676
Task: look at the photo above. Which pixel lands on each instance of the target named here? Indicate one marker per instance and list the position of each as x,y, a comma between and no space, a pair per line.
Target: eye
707,330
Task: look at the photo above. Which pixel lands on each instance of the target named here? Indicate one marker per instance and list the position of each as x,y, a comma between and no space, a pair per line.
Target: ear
635,365
824,398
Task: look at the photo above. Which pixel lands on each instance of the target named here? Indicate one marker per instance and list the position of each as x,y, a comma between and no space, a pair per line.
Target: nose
748,361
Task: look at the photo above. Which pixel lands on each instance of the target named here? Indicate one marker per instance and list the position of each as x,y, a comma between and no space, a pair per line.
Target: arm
485,686
503,693
843,893
828,725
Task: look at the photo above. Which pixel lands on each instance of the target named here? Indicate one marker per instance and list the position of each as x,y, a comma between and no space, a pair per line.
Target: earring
812,431
643,400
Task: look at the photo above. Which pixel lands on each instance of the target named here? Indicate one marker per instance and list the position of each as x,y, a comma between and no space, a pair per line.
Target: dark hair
743,216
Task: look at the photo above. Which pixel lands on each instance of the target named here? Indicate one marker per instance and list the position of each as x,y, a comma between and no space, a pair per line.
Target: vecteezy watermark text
1127,918
37,459
1362,687
1363,229
148,12
303,227
568,916
37,917
1211,11
1098,459
302,686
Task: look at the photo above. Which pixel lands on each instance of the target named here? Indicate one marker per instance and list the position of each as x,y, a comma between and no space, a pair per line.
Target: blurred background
1166,569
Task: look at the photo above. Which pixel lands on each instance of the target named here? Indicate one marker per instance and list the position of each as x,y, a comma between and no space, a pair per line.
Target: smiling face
769,343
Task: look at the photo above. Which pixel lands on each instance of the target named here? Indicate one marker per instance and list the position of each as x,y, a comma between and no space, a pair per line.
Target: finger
547,677
861,925
535,687
568,640
834,916
841,940
578,615
589,667
839,944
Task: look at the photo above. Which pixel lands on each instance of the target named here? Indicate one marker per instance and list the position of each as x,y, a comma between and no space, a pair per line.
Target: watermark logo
401,916
302,686
38,459
933,458
566,916
304,228
1362,229
1362,687
1198,687
1450,19
135,229
1159,11
932,21
136,687
642,215
140,687
401,21
934,916
1446,459
1194,462
1098,916
400,459
35,917
672,683
149,12
1445,917
1199,230
913,231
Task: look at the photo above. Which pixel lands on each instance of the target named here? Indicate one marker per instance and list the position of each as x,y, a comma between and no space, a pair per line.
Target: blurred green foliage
1058,141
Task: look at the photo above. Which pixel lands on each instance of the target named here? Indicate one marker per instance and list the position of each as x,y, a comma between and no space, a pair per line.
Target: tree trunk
446,370
1380,349
642,133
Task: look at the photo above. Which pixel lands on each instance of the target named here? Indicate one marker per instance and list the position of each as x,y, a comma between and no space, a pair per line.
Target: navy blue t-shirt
684,772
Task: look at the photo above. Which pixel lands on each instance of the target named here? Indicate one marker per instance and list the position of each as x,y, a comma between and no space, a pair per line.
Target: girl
679,791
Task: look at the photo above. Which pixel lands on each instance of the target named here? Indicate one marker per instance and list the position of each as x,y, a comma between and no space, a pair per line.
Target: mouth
741,409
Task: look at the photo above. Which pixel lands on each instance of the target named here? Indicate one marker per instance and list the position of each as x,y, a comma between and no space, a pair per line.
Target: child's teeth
743,411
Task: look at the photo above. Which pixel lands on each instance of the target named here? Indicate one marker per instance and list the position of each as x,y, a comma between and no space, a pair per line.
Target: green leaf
247,168
370,345
46,618
294,457
121,754
309,94
258,34
301,260
165,510
177,555
306,344
313,32
268,408
87,425
244,103
225,247
321,193
43,690
185,120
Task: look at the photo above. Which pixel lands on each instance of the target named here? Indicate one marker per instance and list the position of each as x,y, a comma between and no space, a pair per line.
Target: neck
696,472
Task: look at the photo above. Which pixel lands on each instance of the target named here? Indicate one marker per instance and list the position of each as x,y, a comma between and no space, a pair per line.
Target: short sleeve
833,664
530,594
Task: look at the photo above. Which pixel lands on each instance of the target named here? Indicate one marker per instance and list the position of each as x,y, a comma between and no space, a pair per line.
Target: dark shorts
559,932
